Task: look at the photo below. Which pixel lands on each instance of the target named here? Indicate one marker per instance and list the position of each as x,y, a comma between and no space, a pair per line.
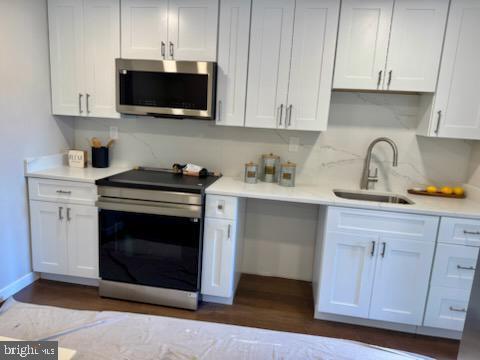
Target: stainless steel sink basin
364,196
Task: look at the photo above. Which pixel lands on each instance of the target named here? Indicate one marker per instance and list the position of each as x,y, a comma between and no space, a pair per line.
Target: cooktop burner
158,179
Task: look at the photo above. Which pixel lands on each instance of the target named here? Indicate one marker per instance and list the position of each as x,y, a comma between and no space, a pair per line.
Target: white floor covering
116,335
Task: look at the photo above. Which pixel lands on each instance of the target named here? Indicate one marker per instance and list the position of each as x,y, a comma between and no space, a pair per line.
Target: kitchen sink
377,197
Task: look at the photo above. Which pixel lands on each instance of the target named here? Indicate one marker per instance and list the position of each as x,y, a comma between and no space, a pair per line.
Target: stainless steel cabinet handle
219,110
384,244
390,77
281,114
466,232
80,110
460,267
229,229
373,249
171,49
289,110
68,214
88,103
64,192
457,309
163,49
439,118
60,213
380,73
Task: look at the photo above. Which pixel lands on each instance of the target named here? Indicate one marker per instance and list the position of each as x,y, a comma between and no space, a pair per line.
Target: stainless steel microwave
179,89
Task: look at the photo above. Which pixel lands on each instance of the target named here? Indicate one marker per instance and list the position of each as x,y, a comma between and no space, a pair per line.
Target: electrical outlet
293,144
114,132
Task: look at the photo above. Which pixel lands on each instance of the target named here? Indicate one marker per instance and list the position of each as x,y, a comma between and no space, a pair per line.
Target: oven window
166,90
153,250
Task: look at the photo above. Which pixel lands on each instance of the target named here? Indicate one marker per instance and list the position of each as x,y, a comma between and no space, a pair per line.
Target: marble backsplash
335,155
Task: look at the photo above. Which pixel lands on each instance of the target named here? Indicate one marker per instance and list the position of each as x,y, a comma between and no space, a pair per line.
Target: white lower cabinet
375,264
64,237
219,257
49,245
452,275
222,248
402,279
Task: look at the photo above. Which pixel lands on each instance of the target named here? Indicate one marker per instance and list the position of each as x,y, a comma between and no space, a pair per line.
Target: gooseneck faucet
367,178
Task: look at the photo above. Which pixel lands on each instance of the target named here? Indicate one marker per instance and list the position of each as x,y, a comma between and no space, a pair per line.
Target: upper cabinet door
192,30
416,41
402,279
66,56
362,44
457,105
313,54
269,63
82,240
102,47
233,43
144,29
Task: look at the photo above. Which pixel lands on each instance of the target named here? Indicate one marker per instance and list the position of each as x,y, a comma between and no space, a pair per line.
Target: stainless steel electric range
151,226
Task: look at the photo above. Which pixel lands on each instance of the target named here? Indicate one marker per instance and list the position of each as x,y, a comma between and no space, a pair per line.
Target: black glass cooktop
158,180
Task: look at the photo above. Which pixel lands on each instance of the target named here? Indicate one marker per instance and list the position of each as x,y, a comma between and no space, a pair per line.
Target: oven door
166,88
150,244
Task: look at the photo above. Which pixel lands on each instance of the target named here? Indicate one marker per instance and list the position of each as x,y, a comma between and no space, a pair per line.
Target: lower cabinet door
401,280
218,267
82,240
447,308
49,240
348,269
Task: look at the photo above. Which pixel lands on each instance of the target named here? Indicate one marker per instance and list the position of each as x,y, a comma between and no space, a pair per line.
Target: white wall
281,241
26,126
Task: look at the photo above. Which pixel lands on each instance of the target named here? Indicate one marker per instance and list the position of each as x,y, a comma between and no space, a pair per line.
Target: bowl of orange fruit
456,192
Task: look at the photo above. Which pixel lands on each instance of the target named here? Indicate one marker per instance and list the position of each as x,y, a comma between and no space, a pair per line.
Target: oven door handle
149,207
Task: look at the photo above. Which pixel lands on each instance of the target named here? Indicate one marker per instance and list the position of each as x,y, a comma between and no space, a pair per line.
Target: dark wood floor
269,303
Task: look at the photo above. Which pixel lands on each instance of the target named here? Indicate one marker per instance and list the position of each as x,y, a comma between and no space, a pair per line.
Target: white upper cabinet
102,25
270,53
292,47
170,30
84,42
456,107
416,41
144,29
233,43
66,56
390,45
311,71
362,47
192,29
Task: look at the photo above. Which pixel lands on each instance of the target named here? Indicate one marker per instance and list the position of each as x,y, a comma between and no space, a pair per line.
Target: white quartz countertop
88,175
322,194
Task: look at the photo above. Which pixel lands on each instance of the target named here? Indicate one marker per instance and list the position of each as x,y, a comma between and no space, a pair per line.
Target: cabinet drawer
221,207
408,226
62,191
459,231
454,266
446,308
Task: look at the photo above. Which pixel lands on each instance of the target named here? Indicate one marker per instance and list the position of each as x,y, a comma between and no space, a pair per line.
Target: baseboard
17,285
411,329
70,279
217,299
